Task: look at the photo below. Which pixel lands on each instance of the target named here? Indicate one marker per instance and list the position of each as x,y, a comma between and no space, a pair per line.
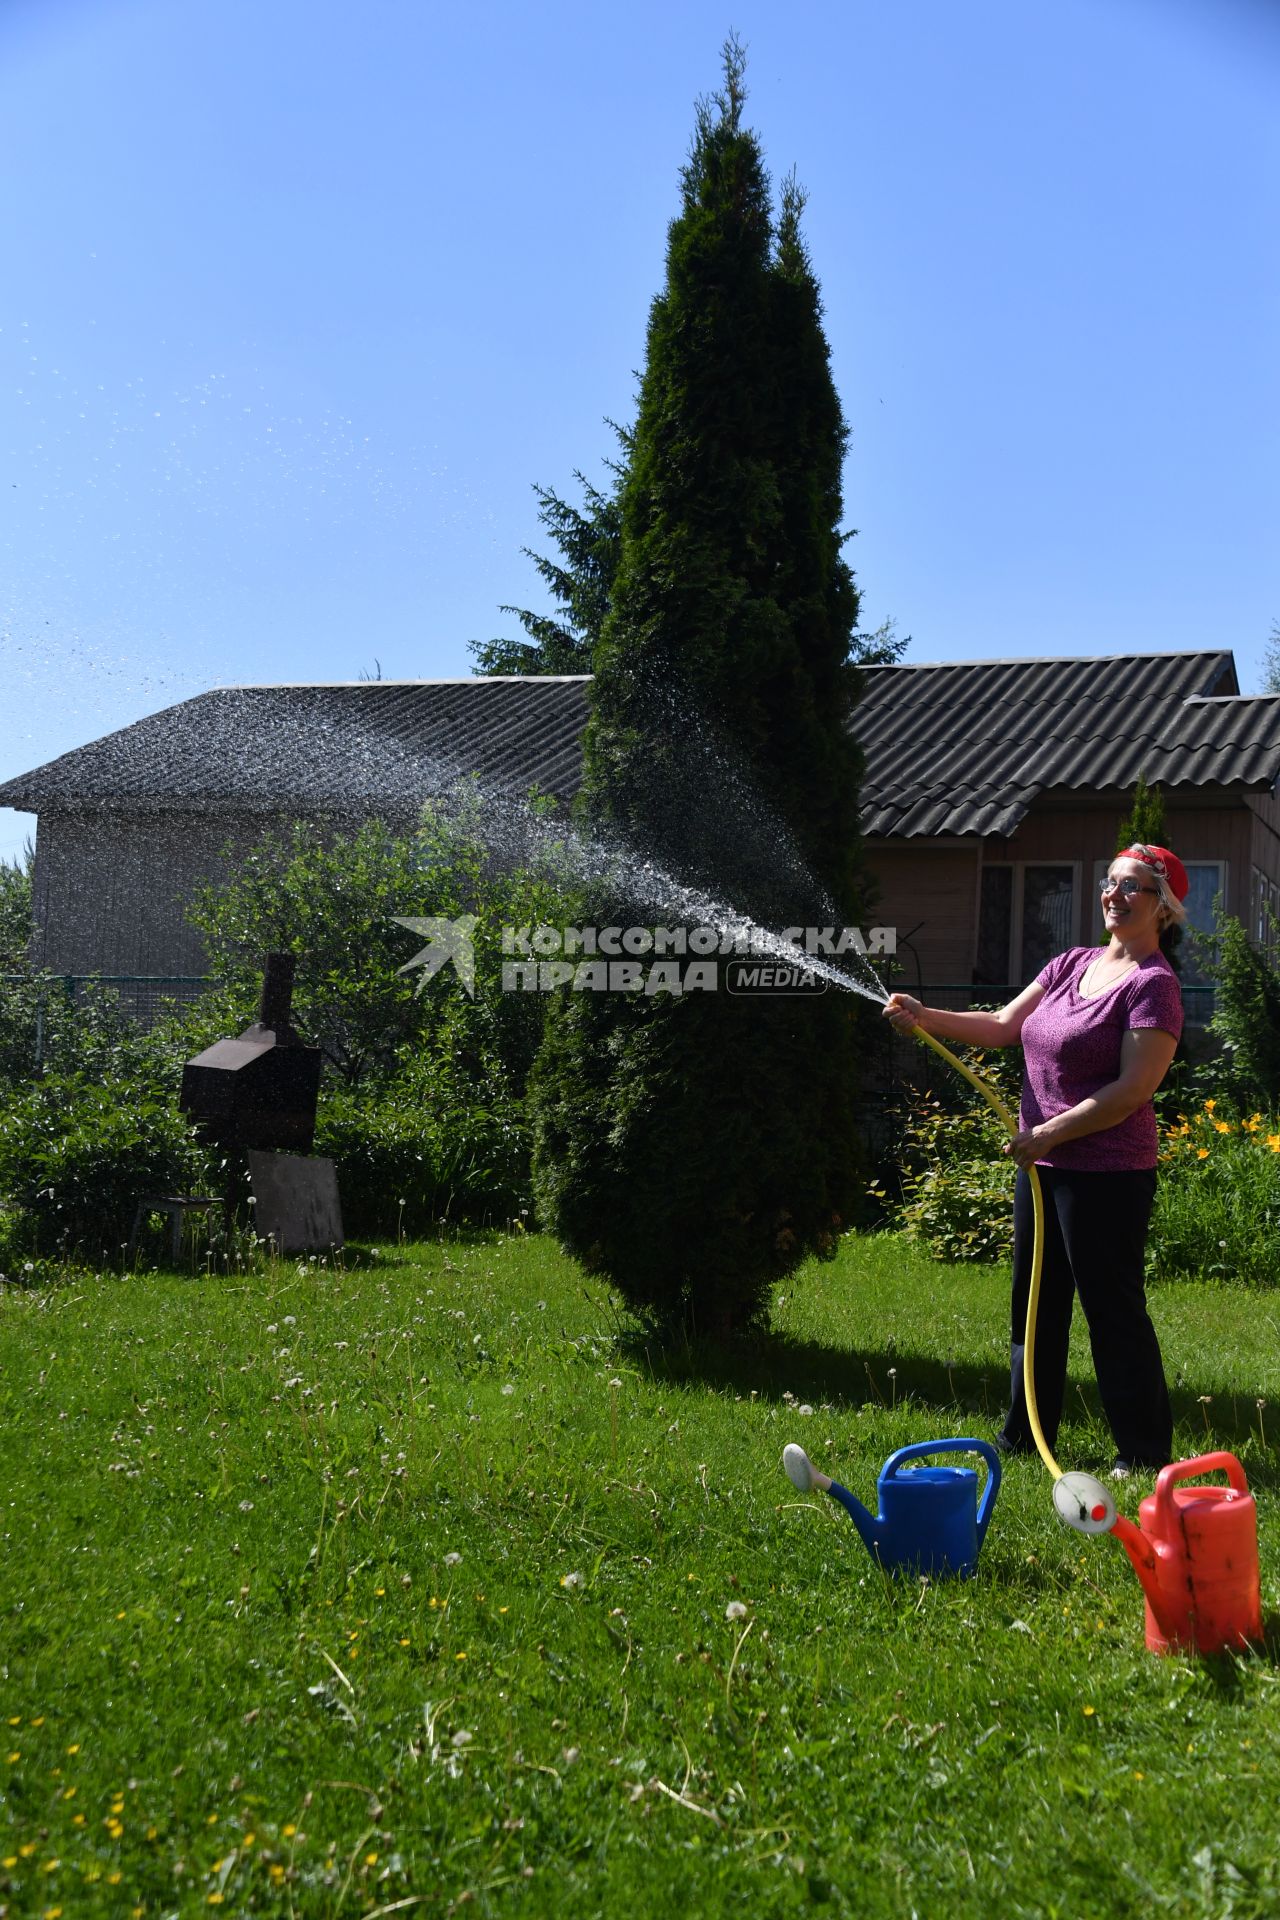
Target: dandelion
453,1560
462,1738
571,1580
736,1610
1089,1712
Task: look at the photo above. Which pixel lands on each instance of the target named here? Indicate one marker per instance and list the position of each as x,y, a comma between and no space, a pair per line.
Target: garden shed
991,799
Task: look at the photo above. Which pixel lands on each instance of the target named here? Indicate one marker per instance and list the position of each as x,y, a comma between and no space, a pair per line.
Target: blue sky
300,300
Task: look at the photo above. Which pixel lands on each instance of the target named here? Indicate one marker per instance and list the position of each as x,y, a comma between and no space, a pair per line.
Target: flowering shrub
1217,1213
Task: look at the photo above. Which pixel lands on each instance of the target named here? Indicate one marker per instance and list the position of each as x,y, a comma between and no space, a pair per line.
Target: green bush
1247,1013
77,1154
957,1187
407,1163
1217,1213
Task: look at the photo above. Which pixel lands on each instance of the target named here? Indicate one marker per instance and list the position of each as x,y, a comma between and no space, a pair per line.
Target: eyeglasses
1128,886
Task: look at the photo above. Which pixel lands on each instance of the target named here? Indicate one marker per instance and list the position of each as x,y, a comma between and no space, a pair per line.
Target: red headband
1160,861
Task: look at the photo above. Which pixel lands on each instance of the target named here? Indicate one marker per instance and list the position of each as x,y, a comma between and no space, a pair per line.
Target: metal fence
144,997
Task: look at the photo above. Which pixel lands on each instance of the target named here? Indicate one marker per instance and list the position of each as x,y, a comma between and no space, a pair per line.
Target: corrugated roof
964,747
360,746
961,747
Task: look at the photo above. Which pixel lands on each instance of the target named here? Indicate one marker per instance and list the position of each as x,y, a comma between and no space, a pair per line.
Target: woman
1098,1028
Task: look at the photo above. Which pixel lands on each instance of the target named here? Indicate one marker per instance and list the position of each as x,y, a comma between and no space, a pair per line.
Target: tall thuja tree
693,1149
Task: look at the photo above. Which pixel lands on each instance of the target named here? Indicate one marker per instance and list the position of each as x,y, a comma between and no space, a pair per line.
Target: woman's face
1131,913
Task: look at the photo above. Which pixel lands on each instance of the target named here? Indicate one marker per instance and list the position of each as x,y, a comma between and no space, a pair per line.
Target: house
994,791
991,799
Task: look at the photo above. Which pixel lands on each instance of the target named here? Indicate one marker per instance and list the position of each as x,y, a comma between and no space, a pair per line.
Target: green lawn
406,1587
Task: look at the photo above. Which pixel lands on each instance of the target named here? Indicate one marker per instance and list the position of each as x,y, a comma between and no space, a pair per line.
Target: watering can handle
922,1449
1185,1470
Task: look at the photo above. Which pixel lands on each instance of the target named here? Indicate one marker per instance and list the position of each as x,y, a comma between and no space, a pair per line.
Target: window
1026,914
1264,911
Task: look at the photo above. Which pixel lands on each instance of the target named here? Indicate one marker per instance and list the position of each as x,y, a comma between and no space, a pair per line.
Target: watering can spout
869,1525
1142,1552
803,1474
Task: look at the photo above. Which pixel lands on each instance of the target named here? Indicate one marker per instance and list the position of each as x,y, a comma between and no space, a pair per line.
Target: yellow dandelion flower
68,1793
459,1656
276,1872
11,1861
212,1821
114,1879
246,1842
39,1722
215,1899
74,1749
371,1859
1089,1712
27,1849
77,1820
16,1720
404,1643
288,1832
121,1614
53,1913
51,1866
13,1758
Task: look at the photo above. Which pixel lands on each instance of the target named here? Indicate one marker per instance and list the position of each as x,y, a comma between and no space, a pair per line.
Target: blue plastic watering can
930,1519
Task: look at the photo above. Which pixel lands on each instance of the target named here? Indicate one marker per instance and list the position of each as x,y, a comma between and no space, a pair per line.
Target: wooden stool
177,1206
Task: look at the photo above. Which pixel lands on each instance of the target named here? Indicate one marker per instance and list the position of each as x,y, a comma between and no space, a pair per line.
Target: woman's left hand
1025,1149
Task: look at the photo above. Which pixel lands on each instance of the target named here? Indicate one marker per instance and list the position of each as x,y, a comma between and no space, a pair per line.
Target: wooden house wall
111,887
1264,810
928,892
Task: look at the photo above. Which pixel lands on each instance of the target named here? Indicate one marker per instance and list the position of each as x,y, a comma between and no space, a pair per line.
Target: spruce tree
694,1149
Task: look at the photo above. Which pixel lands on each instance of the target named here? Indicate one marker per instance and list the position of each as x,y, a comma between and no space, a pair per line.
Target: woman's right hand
904,1013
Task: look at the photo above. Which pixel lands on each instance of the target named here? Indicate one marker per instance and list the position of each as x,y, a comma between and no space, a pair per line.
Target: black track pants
1095,1234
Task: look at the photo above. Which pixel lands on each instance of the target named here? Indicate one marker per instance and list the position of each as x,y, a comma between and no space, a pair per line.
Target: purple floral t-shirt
1071,1049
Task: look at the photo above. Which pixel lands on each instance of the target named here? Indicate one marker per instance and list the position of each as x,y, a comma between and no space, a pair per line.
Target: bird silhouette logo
446,940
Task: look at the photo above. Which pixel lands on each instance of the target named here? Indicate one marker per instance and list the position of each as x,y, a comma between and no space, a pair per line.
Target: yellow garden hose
998,1107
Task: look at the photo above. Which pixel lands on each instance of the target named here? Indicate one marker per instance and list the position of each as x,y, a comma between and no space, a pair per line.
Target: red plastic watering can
1196,1554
